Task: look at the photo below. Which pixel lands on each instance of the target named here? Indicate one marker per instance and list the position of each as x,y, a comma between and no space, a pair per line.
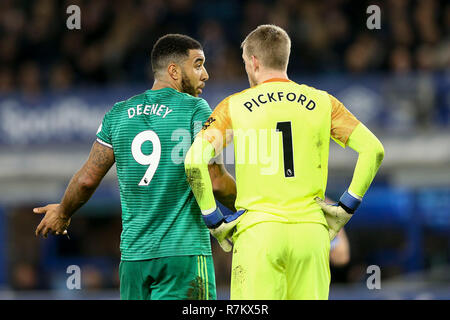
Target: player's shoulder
239,94
284,84
198,104
182,98
195,101
136,99
314,90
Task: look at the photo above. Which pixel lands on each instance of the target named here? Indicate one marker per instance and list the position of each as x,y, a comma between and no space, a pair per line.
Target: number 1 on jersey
152,160
288,154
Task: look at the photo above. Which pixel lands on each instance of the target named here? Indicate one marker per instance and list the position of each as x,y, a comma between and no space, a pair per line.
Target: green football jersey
150,134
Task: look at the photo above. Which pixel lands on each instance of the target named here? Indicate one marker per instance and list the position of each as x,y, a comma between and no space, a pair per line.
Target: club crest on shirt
208,123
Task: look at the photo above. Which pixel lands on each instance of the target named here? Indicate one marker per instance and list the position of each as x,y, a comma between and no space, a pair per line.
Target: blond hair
270,44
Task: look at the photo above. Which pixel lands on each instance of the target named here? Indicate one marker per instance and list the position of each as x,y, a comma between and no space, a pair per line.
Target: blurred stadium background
56,84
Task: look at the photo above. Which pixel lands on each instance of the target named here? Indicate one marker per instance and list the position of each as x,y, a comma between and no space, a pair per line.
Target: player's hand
335,215
55,221
222,227
224,232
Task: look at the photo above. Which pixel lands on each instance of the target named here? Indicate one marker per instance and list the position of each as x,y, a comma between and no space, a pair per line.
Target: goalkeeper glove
222,227
338,214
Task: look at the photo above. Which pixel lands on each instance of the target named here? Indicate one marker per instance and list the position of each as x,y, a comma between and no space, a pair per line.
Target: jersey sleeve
343,122
370,155
104,131
201,114
218,128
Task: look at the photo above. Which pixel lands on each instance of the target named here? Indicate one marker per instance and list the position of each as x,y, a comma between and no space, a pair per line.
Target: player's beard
187,87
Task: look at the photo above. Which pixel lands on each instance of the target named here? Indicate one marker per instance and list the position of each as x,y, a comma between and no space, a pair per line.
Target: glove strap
349,203
234,216
213,219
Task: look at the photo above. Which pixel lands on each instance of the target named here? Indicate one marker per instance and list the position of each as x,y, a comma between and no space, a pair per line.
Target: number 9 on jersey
152,160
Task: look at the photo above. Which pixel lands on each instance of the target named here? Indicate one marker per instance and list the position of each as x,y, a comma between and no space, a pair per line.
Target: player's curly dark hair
171,48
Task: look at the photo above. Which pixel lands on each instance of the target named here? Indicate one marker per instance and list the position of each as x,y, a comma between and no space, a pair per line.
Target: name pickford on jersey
277,181
279,96
155,109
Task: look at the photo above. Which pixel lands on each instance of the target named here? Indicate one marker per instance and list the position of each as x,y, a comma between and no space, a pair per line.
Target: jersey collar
277,80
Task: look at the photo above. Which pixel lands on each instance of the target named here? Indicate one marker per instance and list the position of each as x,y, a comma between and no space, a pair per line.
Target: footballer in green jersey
165,245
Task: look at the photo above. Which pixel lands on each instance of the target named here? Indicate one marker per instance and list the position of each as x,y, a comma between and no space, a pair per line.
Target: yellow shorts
278,261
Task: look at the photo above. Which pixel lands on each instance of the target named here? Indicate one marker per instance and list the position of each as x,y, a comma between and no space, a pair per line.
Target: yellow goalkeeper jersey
281,132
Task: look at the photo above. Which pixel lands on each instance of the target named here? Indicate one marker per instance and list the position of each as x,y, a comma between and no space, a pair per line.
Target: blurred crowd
38,51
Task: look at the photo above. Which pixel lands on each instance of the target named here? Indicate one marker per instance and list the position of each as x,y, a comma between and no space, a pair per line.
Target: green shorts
279,261
169,278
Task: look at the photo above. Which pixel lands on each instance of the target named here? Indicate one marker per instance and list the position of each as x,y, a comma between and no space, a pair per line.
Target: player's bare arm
340,254
80,189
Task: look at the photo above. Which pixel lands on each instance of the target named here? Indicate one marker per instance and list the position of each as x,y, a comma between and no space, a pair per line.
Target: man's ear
174,71
255,63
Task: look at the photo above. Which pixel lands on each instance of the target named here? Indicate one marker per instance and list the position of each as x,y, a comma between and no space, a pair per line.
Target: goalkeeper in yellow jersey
281,132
